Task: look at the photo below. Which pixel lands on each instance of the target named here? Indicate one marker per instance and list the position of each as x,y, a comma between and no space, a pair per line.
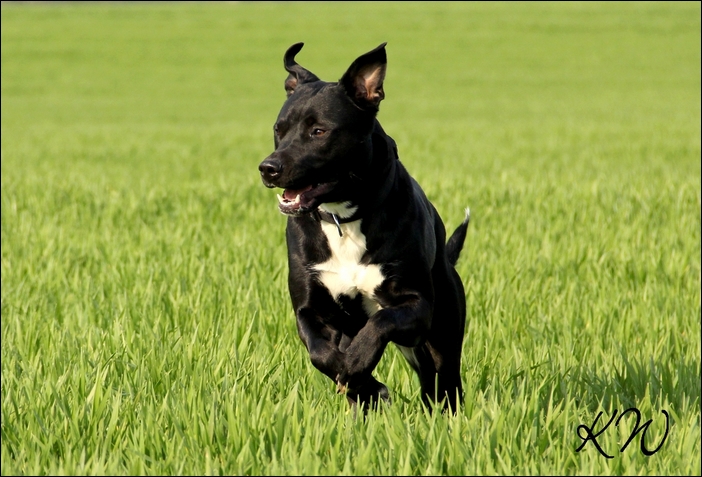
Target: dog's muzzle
297,198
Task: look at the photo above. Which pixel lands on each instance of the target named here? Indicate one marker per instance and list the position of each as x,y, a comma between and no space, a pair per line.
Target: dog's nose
270,169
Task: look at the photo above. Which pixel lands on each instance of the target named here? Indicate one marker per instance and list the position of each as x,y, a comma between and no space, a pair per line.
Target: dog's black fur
344,185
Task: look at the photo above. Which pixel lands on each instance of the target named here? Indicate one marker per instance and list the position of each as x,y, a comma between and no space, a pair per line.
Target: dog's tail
455,242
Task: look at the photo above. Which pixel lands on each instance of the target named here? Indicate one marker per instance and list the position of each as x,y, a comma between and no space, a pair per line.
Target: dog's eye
316,132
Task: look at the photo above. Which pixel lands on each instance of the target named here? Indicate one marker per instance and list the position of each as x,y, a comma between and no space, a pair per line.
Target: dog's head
323,134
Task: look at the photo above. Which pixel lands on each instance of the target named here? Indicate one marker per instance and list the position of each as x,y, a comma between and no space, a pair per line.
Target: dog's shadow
672,385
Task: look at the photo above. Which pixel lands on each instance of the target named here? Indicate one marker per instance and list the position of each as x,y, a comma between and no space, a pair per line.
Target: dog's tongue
290,194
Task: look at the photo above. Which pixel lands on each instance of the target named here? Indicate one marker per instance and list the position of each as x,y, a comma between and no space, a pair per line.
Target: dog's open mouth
301,201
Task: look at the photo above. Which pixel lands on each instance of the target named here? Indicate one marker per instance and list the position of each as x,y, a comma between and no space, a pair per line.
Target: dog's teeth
280,198
297,199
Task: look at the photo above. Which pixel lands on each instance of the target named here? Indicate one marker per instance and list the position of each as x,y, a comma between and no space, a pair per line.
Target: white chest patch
343,274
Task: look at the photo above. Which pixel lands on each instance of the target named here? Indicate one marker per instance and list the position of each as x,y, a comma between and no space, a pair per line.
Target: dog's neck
378,178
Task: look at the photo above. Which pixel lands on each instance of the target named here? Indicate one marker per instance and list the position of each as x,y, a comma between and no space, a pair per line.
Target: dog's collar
336,220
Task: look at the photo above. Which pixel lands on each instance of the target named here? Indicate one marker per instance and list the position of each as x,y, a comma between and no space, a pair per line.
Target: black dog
366,249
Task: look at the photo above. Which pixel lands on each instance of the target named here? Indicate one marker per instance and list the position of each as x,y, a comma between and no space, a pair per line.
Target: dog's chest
343,273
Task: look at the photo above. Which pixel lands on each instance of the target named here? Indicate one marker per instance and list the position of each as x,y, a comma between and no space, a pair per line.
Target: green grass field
146,325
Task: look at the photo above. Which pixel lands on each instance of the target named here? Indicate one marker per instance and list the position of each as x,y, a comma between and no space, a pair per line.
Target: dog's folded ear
298,75
363,80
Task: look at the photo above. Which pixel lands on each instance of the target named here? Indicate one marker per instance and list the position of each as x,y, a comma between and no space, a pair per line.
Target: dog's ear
363,80
298,75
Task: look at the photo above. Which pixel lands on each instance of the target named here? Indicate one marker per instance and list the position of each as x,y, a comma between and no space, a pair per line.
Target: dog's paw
346,383
370,390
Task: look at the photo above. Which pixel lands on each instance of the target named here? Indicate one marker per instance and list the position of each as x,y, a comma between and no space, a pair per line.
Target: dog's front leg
406,324
322,343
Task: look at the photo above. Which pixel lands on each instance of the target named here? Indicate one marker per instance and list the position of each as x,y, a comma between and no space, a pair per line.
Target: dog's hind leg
447,387
421,362
444,344
439,378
